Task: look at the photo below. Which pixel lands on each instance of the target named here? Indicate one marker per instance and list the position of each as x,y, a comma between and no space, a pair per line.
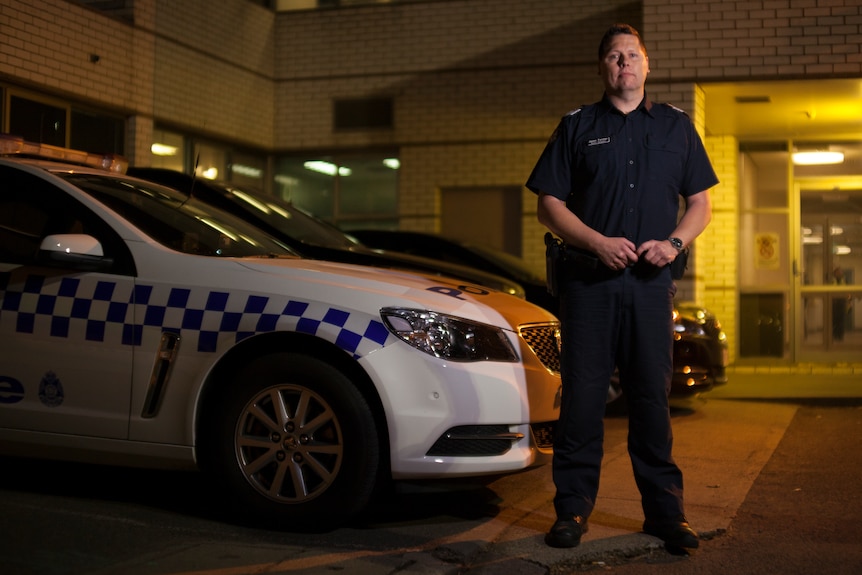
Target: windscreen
180,223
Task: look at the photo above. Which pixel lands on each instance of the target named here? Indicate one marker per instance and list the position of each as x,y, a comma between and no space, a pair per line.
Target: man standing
608,184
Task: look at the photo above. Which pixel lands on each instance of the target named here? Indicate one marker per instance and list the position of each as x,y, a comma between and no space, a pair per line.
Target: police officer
608,184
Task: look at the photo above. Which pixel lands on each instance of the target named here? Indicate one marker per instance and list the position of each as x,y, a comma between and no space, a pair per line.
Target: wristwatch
676,242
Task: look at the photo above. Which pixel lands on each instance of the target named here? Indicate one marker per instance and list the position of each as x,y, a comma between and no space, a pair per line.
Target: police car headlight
449,337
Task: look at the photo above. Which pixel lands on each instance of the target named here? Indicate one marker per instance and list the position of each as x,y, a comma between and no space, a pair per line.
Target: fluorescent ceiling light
393,163
244,170
327,168
842,250
163,150
817,158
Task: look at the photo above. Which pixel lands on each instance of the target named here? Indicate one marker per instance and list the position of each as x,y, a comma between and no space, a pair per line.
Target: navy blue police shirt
622,174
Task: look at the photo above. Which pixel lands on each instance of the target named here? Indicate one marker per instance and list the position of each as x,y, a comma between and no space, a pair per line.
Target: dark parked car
311,237
461,253
700,345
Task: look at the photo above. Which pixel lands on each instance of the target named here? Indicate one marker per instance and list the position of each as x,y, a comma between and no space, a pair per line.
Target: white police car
140,327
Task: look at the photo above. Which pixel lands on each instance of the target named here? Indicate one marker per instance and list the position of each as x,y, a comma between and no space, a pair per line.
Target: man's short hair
616,30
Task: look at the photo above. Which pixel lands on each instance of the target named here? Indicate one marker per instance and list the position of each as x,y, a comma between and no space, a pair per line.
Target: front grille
474,441
689,352
544,340
544,434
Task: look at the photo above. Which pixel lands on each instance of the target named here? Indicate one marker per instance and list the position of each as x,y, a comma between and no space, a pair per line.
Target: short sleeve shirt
623,174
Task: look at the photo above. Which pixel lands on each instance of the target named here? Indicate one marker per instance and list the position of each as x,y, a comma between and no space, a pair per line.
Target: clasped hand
617,253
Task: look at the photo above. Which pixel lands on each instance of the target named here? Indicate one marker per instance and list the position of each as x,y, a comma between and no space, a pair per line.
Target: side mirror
78,251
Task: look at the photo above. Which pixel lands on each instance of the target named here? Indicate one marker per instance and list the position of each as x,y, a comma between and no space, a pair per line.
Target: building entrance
796,218
800,238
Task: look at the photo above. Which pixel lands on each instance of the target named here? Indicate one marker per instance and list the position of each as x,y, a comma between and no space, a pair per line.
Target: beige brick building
474,88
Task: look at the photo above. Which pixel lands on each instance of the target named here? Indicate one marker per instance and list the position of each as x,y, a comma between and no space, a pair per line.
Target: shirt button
631,162
631,185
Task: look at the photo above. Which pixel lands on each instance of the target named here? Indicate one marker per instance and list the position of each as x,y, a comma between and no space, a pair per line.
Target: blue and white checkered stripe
80,308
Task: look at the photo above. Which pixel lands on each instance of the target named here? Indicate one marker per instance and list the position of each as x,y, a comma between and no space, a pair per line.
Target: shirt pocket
665,159
597,155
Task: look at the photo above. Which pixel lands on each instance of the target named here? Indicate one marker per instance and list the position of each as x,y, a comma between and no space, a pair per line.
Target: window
214,161
37,121
247,169
168,150
96,133
352,191
764,249
120,9
64,125
210,161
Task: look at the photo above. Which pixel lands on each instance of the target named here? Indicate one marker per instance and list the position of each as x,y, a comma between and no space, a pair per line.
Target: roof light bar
10,144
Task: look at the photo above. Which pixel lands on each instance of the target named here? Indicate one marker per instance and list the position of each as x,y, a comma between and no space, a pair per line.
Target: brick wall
717,251
215,69
70,51
705,39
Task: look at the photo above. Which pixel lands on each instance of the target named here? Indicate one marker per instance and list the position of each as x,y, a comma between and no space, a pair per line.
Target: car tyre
293,442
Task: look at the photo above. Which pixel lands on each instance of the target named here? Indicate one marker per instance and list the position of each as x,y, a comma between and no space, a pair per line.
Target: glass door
829,270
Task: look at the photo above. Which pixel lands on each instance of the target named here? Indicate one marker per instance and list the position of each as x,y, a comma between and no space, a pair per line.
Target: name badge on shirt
599,141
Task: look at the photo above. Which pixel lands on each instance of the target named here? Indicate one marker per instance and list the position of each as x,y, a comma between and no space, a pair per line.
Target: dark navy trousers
621,319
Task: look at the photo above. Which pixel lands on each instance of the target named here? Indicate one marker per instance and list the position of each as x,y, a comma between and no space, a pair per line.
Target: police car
141,327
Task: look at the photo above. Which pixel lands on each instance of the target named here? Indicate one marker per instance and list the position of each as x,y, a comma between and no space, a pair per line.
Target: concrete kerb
721,449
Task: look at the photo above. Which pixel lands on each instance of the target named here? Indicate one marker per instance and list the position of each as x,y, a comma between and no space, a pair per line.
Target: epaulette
577,111
672,107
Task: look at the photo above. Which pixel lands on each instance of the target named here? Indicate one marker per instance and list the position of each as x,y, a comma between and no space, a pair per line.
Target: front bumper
458,419
698,365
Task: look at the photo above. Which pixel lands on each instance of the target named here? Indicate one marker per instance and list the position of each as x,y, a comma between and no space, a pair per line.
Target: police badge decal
51,390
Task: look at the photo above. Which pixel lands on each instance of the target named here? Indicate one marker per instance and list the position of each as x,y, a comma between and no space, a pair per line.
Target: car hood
379,288
427,266
693,311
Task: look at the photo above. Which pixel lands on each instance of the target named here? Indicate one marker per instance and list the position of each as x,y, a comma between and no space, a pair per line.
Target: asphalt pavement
722,440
